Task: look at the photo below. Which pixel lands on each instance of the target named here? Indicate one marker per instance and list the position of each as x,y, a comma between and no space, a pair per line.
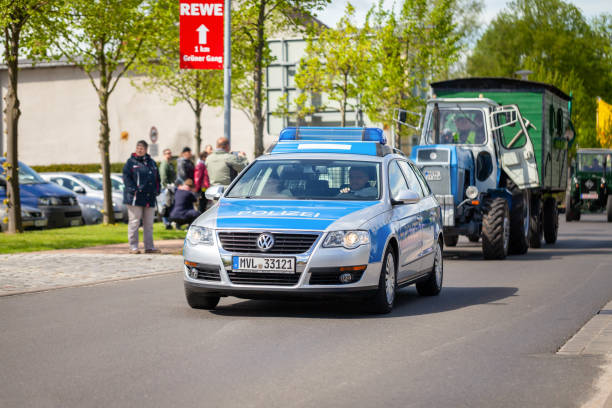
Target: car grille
331,276
594,183
208,272
283,243
276,279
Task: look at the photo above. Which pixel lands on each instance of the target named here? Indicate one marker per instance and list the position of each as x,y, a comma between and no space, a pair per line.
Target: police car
327,211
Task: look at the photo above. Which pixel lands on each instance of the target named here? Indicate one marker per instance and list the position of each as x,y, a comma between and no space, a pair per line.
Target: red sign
201,25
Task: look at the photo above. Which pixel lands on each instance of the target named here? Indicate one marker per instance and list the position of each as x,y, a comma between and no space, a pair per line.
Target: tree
104,38
256,20
197,88
553,39
335,62
17,20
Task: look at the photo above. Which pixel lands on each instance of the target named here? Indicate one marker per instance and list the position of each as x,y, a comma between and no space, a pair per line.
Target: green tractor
590,187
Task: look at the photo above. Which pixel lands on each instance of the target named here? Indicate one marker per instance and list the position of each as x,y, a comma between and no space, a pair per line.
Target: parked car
92,209
329,211
58,206
31,218
116,181
85,185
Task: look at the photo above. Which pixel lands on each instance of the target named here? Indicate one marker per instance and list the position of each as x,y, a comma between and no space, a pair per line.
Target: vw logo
589,184
265,241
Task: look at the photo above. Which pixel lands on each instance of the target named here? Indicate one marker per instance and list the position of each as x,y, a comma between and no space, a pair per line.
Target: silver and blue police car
327,211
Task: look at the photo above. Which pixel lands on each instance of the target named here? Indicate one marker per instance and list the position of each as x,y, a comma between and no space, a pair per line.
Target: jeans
135,214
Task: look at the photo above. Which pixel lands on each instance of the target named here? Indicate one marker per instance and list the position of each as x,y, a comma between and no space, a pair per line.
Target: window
411,178
397,182
64,182
422,181
459,126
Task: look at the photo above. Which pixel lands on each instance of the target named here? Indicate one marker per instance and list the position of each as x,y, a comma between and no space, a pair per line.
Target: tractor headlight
471,192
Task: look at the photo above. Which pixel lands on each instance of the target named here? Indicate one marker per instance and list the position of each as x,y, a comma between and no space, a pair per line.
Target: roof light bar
354,134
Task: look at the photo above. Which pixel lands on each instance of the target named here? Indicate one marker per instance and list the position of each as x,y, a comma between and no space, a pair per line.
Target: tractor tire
537,232
609,208
496,229
520,220
451,240
569,211
474,238
550,220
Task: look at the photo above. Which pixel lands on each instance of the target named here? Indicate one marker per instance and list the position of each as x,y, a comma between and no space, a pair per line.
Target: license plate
263,264
40,223
589,196
433,175
75,222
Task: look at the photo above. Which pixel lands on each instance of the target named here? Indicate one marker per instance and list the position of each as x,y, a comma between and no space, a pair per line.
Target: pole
227,70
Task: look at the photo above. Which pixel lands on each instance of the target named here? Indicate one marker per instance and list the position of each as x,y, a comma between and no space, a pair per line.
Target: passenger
359,184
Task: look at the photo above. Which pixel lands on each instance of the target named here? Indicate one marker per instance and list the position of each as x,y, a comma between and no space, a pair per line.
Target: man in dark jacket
142,185
184,165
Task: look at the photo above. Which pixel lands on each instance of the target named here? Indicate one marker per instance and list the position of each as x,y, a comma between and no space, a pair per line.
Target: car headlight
346,239
200,236
97,207
44,201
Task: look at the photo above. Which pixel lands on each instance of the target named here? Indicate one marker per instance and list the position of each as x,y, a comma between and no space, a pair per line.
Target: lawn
76,237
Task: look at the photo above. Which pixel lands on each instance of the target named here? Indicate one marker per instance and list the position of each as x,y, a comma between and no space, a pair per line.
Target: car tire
609,208
451,240
382,302
537,233
520,222
495,229
550,220
433,285
199,301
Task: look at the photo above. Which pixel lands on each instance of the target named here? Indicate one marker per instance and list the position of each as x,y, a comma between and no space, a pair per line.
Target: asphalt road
488,340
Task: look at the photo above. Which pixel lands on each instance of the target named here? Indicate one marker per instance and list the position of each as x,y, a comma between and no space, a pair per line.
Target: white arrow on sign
202,30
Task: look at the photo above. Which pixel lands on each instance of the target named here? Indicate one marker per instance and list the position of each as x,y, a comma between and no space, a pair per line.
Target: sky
335,10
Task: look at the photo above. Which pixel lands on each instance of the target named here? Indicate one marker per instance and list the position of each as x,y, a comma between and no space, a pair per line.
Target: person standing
142,186
201,181
184,165
221,163
167,174
208,149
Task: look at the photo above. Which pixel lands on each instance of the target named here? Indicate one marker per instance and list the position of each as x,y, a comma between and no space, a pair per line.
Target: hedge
78,168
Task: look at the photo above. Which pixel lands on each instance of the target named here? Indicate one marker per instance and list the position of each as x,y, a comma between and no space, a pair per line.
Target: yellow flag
604,123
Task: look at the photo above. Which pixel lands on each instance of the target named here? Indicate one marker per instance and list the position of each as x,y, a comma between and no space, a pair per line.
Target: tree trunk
198,128
104,140
258,119
12,33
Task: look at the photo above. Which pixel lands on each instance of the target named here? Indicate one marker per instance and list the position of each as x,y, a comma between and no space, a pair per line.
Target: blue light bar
345,134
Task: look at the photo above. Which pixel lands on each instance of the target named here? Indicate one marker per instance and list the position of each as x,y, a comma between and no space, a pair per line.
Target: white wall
59,120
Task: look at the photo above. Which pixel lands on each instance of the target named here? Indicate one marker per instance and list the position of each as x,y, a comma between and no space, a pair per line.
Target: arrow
202,30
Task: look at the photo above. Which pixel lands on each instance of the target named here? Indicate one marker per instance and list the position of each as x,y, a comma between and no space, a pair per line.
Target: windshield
88,181
309,180
458,126
595,162
26,174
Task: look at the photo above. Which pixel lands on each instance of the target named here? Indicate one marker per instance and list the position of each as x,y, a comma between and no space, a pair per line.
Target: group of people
187,184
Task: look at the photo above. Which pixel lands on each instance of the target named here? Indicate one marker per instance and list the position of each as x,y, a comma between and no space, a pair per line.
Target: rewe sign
201,23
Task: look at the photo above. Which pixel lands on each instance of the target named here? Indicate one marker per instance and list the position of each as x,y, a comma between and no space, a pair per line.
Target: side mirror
214,192
407,197
79,190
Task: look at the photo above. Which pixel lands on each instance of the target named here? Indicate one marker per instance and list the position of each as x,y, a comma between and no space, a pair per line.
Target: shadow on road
408,303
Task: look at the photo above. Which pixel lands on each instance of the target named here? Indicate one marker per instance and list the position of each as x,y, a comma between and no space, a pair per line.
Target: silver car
318,216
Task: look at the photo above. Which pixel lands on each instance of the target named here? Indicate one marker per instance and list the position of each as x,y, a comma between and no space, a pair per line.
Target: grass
76,237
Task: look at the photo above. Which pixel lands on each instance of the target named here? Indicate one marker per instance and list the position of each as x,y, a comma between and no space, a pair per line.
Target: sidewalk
39,271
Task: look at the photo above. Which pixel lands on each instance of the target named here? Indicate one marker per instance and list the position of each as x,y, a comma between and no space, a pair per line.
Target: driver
359,183
465,130
595,166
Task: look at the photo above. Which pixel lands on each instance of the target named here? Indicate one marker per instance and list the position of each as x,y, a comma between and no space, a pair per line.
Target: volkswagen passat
328,211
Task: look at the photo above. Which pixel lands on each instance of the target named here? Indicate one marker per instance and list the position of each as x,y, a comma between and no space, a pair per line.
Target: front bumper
62,215
219,278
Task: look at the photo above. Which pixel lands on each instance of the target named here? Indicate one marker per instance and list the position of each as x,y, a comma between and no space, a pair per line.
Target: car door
515,146
406,224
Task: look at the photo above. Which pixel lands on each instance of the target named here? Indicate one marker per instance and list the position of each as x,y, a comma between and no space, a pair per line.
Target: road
489,340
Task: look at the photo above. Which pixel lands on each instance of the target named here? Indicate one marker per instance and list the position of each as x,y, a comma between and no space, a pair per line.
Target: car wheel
199,301
382,301
433,285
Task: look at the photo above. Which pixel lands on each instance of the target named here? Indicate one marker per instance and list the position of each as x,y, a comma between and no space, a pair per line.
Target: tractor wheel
474,238
451,240
537,233
550,220
496,229
609,208
520,222
569,211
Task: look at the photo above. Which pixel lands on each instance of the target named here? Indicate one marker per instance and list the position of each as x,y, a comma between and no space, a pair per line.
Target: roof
497,84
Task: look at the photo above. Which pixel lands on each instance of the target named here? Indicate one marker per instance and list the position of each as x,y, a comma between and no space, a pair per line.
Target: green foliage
553,39
78,168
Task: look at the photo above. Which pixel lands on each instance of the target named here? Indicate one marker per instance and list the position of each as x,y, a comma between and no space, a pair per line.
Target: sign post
205,43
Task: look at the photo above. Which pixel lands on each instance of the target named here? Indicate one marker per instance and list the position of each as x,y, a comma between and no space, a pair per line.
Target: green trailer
546,107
